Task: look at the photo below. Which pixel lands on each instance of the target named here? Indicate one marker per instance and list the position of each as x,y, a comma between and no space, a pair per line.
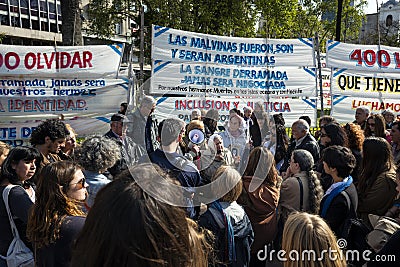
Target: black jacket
244,237
338,211
309,143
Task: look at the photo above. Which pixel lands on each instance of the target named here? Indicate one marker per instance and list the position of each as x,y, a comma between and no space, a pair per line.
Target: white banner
60,61
86,98
366,84
344,107
183,47
326,81
191,63
372,58
198,79
179,107
19,133
37,87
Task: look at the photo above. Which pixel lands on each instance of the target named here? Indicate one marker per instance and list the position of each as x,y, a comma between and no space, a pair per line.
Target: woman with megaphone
194,140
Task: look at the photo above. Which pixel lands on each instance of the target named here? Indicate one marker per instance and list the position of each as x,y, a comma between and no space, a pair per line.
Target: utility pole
339,20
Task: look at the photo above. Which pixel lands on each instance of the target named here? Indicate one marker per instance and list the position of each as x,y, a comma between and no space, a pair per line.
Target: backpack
18,254
384,228
355,232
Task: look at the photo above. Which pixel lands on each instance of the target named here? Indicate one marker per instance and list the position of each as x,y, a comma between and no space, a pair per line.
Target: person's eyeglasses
324,135
81,183
371,124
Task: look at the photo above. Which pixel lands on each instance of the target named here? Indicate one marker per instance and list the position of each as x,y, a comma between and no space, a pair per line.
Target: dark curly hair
355,136
341,158
53,128
336,133
327,119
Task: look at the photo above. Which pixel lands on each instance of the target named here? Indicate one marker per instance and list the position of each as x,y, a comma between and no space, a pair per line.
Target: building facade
39,22
30,22
386,22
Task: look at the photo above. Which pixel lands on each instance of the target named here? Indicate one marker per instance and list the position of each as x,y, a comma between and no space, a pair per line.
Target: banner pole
131,90
321,92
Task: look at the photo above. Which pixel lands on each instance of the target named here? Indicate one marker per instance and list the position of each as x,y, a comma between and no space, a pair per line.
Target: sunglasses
371,124
81,183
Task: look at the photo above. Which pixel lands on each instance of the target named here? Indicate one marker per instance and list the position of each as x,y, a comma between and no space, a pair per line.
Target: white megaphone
196,136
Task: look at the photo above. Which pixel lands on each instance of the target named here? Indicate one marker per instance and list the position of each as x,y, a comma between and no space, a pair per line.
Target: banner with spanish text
179,107
365,84
198,79
344,107
60,61
33,99
191,63
368,58
19,133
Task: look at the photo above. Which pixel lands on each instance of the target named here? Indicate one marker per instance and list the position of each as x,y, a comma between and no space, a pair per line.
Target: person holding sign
234,138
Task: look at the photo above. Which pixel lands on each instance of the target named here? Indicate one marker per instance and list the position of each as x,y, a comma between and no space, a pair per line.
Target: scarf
230,252
333,191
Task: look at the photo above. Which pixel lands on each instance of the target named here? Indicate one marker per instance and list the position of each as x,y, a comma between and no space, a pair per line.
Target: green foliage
282,19
293,19
105,14
225,17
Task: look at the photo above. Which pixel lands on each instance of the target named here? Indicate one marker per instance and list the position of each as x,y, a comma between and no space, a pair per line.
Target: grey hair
304,159
170,130
147,101
365,109
98,153
388,111
302,125
315,191
196,111
211,143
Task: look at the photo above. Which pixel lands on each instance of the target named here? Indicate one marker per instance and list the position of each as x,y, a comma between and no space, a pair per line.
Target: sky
371,6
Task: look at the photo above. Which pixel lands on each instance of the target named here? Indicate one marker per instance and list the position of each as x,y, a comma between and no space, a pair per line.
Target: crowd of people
175,194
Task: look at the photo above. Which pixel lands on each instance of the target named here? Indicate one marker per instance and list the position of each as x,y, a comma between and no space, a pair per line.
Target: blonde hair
224,179
70,129
3,147
303,233
201,254
195,124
